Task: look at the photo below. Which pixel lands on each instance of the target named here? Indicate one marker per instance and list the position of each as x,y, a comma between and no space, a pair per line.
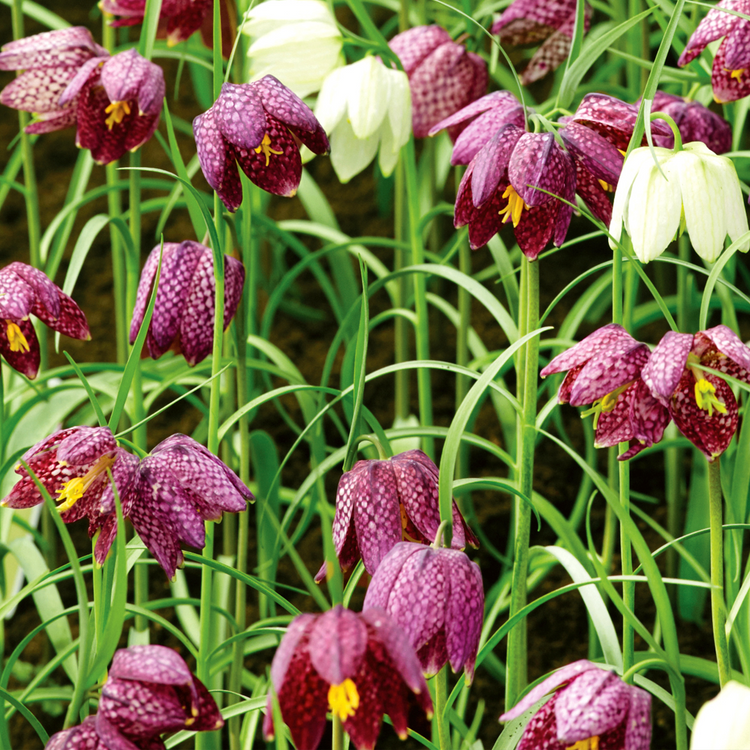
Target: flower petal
664,369
338,641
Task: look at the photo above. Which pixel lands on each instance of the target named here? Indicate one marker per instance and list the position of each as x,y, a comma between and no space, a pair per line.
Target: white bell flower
724,722
701,192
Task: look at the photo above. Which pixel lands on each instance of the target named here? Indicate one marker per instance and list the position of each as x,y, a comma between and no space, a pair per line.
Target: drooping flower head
723,723
591,708
604,370
24,291
184,310
358,666
437,597
259,125
695,123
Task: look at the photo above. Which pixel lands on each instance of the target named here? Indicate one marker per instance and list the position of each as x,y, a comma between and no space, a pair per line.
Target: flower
24,291
593,708
531,21
184,310
358,665
605,370
730,76
695,123
701,191
379,503
437,597
366,109
306,25
443,76
260,125
724,722
516,176
702,405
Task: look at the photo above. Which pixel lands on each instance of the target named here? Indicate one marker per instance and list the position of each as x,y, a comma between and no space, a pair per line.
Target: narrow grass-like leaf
714,275
89,391
148,30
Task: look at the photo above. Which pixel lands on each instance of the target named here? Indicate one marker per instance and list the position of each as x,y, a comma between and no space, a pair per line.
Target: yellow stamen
116,112
605,403
265,147
72,491
705,397
515,206
16,339
592,743
405,525
343,699
606,186
737,74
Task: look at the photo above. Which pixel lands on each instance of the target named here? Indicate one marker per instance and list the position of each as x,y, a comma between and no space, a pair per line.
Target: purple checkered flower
24,291
184,310
357,665
694,121
443,76
437,597
730,76
259,125
591,707
380,503
604,370
702,405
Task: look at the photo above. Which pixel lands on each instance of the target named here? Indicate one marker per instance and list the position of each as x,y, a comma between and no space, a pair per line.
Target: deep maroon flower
516,176
183,315
24,291
532,21
730,76
604,370
358,666
695,123
702,405
260,125
437,597
592,708
380,503
443,76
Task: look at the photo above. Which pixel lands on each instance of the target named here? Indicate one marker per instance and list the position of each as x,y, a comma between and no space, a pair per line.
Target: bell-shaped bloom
730,76
694,121
532,21
701,404
518,177
380,503
259,125
308,27
183,316
359,666
24,291
604,370
444,77
437,597
691,188
591,707
366,109
724,722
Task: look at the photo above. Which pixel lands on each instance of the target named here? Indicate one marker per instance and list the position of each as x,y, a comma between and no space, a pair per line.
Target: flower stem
338,734
401,329
441,696
672,124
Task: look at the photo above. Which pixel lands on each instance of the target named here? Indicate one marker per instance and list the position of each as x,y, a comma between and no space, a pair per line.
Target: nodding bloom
359,666
437,597
723,723
443,76
183,316
605,370
24,291
380,503
259,125
701,404
590,708
730,76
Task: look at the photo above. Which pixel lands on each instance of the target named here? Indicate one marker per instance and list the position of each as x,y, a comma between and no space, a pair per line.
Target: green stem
441,695
626,552
462,355
401,330
338,734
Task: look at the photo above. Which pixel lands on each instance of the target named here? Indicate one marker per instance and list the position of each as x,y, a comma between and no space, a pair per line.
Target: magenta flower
592,708
702,405
259,125
695,123
358,666
443,76
604,370
380,503
24,291
183,315
437,597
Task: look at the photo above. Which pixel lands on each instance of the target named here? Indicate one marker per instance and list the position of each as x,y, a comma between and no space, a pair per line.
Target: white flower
724,722
701,192
363,106
297,41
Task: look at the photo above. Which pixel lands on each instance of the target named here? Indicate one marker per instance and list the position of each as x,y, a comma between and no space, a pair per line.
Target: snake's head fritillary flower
259,125
380,503
359,666
437,597
184,310
591,707
730,76
723,723
443,76
694,121
604,370
24,291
